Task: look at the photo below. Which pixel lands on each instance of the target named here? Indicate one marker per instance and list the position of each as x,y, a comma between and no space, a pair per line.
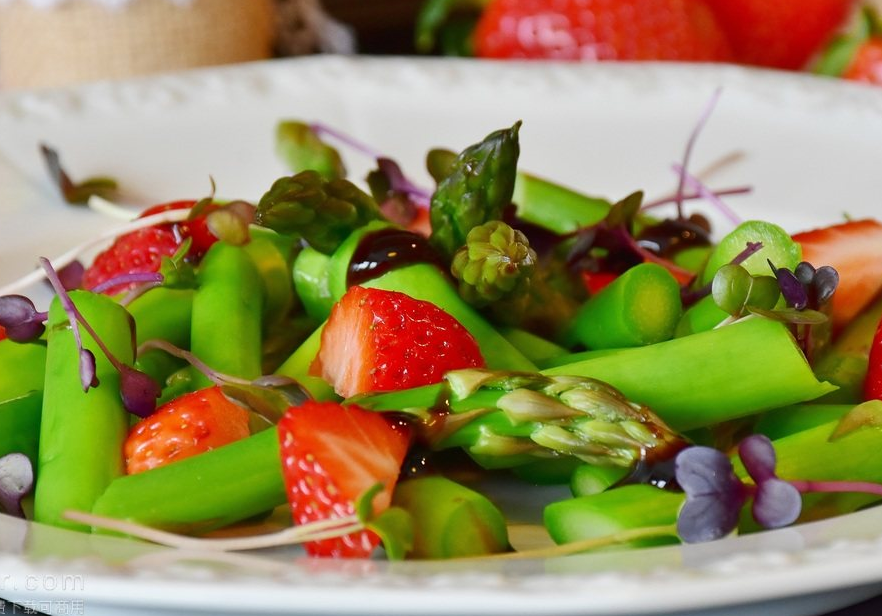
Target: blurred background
46,43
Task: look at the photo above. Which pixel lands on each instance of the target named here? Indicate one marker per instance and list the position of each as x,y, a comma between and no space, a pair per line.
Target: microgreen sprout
23,322
715,495
16,480
706,193
690,144
269,396
138,391
75,193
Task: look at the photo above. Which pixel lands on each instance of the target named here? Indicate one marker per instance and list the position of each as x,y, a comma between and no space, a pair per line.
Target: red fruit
378,340
188,425
597,281
140,251
2,332
196,229
331,456
600,30
780,33
854,248
873,380
866,65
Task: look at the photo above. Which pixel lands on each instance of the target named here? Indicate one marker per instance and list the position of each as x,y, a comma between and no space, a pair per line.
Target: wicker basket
83,40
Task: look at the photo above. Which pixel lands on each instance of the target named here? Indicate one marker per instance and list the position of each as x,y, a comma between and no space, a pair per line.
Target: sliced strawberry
2,332
188,425
196,229
138,252
854,248
331,455
866,65
597,281
873,379
378,340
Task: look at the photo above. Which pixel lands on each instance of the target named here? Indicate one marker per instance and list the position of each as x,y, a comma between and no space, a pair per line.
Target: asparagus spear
82,433
301,149
322,212
227,308
477,189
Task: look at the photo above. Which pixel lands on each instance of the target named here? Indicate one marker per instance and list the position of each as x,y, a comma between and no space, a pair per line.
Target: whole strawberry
783,34
683,30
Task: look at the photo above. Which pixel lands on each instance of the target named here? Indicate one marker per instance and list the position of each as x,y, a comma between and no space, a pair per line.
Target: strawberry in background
783,34
856,55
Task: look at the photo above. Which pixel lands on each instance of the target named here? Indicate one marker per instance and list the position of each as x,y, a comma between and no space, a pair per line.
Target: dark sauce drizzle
388,249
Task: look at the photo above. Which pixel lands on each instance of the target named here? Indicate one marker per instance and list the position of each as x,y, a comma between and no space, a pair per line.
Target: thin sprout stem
71,255
726,192
216,377
702,120
585,545
708,194
348,140
304,533
837,486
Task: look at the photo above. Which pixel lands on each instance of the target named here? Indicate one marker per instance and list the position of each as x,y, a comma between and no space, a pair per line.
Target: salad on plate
355,366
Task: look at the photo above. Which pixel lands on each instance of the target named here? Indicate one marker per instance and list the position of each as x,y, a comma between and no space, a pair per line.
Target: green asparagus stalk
777,247
450,520
24,365
20,425
640,307
590,479
310,273
535,348
162,313
82,433
477,189
227,309
555,207
204,492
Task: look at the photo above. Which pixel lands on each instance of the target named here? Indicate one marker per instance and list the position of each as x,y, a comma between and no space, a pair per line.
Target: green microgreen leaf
625,211
176,272
231,222
73,192
394,526
791,315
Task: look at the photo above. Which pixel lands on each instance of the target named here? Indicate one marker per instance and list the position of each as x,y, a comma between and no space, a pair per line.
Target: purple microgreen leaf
231,222
71,275
139,392
16,480
791,288
20,318
825,282
714,495
88,371
690,144
399,183
776,503
73,193
758,455
805,273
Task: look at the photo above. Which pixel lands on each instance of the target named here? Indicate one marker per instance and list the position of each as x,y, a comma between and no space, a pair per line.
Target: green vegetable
227,310
311,283
778,247
477,190
640,307
555,207
302,149
322,212
20,425
450,520
81,433
24,366
494,265
203,492
590,479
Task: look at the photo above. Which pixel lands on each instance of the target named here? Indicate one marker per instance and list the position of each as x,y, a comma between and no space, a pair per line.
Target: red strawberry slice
601,30
331,455
188,425
138,252
378,340
2,332
866,65
854,248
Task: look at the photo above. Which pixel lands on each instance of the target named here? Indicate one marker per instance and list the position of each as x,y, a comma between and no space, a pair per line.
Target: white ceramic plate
810,150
